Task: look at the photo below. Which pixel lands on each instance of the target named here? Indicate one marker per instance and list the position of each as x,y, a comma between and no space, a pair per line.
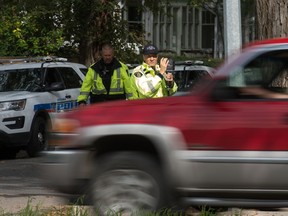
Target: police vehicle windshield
20,80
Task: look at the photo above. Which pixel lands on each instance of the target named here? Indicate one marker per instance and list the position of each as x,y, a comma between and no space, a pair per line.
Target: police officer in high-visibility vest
150,79
106,80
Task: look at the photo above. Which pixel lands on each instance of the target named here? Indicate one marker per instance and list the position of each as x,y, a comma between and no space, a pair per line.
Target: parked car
224,144
187,74
31,92
131,67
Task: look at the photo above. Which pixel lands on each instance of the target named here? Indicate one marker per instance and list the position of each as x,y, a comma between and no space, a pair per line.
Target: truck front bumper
66,170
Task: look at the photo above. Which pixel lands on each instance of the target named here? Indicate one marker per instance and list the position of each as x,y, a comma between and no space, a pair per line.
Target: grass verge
81,210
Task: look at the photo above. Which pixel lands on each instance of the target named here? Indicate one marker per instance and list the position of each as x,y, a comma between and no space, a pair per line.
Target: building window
134,16
185,23
156,28
191,27
207,17
207,29
169,35
134,19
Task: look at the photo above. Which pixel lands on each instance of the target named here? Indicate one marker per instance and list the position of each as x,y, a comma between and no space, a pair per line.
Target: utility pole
232,27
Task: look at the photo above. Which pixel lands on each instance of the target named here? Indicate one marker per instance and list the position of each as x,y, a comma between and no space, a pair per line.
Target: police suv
32,92
187,74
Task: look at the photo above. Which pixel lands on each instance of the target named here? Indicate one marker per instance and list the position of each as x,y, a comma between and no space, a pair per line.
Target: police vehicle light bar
33,59
189,62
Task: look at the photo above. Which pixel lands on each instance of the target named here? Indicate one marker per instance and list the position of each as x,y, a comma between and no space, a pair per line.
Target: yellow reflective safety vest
150,83
93,83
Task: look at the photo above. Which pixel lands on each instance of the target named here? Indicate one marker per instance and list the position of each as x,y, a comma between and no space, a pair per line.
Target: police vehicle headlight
16,105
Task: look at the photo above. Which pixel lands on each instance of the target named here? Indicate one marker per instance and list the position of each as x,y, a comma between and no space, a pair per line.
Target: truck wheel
38,141
127,182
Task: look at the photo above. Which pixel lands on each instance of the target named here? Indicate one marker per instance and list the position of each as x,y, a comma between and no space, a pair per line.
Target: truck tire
38,141
127,182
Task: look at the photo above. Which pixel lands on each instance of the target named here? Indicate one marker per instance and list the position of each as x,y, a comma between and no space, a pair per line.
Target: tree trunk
100,26
272,18
88,52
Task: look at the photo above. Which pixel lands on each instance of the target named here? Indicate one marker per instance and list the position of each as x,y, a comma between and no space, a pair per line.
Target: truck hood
164,111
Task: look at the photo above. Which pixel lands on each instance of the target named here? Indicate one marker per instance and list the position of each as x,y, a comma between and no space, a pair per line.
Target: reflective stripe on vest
103,91
95,90
118,89
151,87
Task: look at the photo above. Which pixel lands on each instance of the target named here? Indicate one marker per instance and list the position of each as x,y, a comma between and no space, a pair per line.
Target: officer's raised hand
163,65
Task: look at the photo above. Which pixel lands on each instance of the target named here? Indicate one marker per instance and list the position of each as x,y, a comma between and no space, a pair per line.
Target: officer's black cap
150,49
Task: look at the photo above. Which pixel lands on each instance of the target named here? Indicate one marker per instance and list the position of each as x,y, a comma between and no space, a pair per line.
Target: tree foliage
27,30
78,27
67,27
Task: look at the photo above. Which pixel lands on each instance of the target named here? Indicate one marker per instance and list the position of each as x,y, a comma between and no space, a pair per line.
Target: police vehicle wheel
38,141
126,182
8,153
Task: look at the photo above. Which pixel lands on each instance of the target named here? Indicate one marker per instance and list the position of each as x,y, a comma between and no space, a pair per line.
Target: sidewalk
16,204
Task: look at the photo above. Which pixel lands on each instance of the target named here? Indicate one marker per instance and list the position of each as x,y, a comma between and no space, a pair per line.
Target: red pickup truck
223,144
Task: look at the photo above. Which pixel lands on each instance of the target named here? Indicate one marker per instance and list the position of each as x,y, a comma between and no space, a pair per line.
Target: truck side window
264,77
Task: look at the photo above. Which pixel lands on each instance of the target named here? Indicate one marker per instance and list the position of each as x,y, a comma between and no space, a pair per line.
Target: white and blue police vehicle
32,92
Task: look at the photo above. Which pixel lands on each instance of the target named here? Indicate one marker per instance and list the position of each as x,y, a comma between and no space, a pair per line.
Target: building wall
177,28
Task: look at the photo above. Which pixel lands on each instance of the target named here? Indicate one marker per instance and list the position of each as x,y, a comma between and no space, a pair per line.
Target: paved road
20,182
